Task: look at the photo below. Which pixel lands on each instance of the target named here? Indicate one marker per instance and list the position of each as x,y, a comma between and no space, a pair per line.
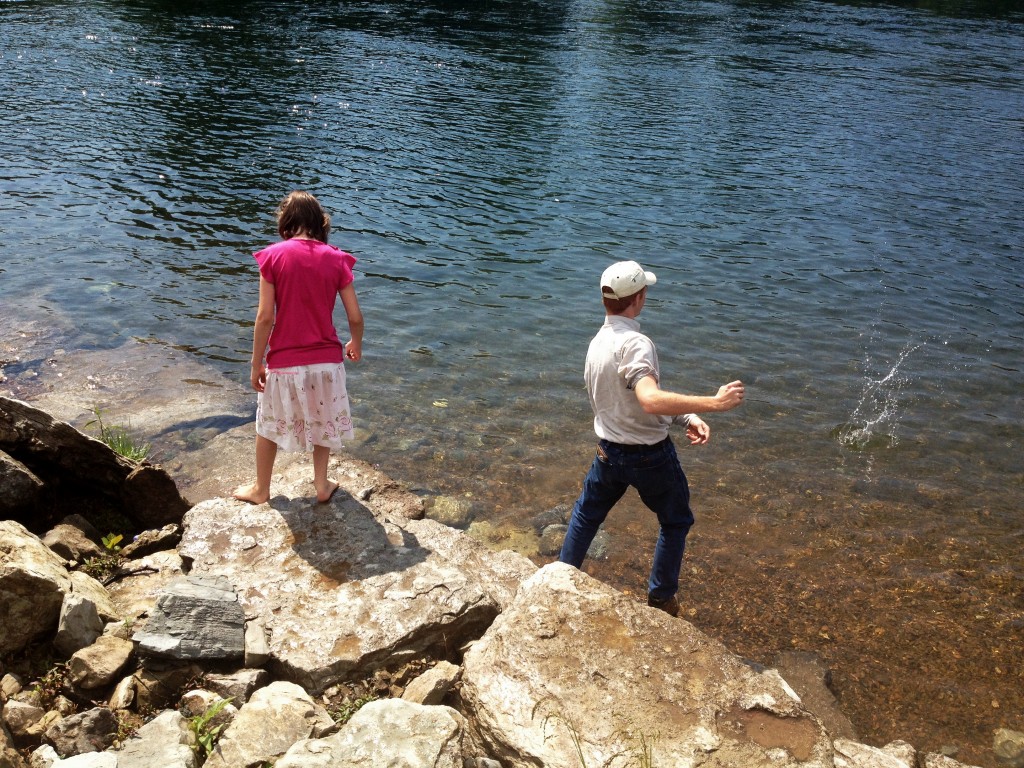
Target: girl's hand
258,378
353,350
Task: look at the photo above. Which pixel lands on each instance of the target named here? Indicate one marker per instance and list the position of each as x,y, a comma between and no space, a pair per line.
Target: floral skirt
304,406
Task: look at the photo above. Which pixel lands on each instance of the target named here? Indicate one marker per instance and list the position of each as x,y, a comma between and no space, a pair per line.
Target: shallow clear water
830,194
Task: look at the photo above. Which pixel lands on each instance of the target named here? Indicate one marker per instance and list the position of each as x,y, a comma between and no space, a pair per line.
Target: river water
830,195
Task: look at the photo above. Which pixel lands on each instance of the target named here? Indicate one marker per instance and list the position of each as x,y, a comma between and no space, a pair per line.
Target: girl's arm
261,334
354,347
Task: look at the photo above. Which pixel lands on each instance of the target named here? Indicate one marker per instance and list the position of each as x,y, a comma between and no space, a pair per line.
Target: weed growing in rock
642,752
205,734
118,439
574,734
102,567
343,711
645,751
51,684
128,723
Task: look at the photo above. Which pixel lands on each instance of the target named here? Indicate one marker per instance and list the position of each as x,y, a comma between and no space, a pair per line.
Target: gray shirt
618,357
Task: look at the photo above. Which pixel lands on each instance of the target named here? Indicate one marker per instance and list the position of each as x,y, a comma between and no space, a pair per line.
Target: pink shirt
307,276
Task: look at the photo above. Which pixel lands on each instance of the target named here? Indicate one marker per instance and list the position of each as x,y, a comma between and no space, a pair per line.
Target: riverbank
923,633
550,666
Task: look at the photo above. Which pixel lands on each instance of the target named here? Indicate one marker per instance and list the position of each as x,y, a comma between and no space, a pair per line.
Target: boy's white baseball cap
624,278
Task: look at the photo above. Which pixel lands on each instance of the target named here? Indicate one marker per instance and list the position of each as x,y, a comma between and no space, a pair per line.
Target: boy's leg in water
601,490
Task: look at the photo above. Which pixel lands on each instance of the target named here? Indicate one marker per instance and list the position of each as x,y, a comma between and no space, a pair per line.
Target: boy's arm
654,399
354,347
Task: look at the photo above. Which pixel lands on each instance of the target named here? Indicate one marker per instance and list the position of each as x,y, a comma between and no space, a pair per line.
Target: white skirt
304,406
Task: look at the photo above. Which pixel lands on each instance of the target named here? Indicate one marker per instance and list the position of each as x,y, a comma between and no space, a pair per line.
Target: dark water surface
831,195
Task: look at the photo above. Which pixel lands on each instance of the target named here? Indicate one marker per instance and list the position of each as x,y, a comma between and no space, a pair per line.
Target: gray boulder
22,489
90,731
195,618
575,668
79,624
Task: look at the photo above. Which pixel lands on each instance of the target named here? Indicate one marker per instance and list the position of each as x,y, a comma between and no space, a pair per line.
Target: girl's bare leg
259,492
325,488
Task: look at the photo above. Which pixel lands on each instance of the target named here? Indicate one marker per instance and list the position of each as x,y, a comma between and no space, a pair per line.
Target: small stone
124,694
433,685
1009,747
551,539
454,512
99,664
9,686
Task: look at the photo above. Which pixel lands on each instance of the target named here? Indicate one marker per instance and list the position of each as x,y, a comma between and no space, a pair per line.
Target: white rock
33,582
164,742
79,624
389,732
851,754
271,721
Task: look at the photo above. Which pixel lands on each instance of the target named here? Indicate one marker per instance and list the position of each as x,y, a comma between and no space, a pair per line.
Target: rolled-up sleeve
639,359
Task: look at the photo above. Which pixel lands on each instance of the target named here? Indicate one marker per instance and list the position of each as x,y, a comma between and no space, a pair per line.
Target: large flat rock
347,586
574,672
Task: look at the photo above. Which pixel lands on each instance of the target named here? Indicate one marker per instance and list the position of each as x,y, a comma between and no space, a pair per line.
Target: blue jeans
655,473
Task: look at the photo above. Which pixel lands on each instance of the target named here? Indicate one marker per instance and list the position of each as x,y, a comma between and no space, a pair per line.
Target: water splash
873,423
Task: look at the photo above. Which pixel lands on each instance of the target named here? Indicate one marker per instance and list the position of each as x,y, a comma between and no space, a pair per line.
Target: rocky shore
355,632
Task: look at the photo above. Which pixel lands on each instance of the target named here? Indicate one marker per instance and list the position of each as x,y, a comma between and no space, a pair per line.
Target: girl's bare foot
251,494
323,496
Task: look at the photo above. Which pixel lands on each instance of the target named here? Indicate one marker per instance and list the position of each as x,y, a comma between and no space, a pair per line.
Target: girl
297,361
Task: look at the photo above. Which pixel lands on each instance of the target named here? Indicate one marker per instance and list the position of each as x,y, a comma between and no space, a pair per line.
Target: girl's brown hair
300,213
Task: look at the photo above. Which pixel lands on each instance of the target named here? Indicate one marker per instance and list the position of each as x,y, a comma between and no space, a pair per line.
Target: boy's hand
697,430
730,395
